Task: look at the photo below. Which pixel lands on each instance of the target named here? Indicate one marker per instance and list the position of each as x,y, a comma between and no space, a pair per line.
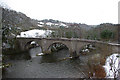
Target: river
54,65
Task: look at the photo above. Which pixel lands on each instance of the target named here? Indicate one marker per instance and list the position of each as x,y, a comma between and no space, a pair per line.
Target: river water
54,65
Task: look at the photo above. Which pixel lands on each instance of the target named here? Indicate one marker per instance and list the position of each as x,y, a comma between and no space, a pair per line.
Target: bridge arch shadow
59,48
33,48
32,44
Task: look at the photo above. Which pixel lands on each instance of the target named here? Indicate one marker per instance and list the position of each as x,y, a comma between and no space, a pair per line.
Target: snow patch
62,24
40,25
33,42
40,54
85,50
35,33
49,23
112,65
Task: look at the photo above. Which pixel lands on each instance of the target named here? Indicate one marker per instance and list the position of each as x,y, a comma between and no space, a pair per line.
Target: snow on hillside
112,66
49,23
35,33
58,24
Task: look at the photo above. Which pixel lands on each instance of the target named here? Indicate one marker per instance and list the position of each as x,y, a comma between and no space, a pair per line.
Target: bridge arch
58,45
74,45
32,44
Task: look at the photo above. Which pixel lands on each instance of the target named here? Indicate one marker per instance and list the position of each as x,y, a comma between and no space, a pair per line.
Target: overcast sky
81,11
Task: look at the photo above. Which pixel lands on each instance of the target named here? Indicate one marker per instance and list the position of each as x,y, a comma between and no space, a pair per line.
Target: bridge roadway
73,44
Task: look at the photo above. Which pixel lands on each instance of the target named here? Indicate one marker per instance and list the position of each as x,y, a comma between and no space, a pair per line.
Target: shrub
107,34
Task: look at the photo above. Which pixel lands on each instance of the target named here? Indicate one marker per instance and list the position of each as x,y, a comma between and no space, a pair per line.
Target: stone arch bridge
74,44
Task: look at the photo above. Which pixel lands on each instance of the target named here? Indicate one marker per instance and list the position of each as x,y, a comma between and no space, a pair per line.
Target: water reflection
34,51
48,58
53,57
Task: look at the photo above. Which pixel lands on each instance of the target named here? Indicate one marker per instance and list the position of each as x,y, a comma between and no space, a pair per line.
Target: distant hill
96,31
50,23
19,20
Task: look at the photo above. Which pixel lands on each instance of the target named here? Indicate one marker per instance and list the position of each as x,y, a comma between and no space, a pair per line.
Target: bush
107,34
68,34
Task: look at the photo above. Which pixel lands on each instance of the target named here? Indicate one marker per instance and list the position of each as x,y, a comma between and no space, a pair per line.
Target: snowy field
35,33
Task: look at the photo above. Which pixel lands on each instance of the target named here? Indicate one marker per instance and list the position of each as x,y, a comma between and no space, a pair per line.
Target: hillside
50,23
13,23
19,20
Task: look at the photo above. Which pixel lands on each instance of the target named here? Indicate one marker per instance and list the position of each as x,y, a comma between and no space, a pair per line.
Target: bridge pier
46,51
74,54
